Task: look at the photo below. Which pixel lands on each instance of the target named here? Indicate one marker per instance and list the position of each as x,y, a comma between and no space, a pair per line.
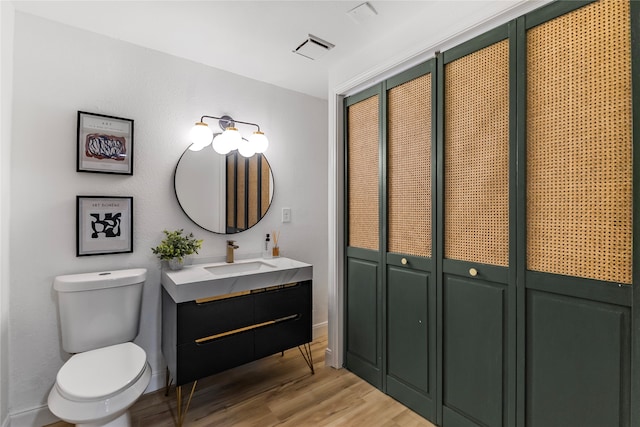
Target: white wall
6,99
60,70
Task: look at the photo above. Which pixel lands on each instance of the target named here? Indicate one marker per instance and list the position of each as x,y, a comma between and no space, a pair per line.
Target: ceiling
255,39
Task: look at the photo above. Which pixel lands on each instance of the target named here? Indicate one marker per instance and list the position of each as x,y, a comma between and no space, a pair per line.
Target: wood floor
278,391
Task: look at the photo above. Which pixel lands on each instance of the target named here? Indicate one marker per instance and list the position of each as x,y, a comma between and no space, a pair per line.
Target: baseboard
35,417
328,358
320,329
158,381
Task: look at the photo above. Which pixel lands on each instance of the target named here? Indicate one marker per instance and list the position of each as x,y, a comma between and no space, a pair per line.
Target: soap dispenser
267,248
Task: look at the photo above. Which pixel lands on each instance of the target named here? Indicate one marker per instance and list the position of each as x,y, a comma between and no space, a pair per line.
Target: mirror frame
227,229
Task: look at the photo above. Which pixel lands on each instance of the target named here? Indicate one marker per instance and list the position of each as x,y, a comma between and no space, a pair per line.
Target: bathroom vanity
218,316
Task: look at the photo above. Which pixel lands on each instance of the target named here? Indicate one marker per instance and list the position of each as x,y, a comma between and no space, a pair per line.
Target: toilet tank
99,309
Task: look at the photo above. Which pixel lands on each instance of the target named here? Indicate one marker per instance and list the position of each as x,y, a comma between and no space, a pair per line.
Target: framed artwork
105,144
104,225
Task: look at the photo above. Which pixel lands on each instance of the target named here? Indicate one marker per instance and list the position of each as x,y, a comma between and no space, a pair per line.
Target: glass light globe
232,137
221,144
197,147
259,142
200,135
246,149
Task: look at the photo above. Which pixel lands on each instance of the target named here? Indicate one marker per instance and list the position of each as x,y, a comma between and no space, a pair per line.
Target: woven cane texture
363,173
579,144
265,184
253,191
477,156
409,167
231,185
240,186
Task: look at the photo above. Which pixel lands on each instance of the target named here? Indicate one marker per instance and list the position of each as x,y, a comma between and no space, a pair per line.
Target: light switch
286,214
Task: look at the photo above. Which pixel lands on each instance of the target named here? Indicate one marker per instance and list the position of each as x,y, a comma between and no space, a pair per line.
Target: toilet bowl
97,387
107,372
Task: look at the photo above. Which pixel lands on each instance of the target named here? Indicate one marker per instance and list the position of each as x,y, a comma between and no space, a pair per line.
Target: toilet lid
102,372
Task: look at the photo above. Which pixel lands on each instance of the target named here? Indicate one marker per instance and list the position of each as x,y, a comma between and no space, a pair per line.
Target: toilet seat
94,412
101,373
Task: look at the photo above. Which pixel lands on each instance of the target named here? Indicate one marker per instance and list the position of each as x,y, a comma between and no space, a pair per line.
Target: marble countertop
216,278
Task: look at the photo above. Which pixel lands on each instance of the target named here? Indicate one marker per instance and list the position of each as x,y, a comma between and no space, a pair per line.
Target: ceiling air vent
362,13
313,47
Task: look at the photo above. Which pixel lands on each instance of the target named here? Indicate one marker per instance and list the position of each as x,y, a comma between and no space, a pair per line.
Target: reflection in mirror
223,193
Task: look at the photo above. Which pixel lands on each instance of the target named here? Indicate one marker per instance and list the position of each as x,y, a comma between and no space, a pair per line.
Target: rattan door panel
409,167
579,144
363,174
476,156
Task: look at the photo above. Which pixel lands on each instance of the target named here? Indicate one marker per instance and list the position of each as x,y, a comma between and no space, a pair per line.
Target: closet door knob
473,272
404,261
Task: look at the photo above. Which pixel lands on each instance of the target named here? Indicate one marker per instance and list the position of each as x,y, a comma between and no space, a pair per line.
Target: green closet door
363,278
478,280
579,216
410,366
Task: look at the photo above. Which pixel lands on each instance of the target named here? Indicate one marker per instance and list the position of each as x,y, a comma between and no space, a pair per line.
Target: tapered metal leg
306,354
182,414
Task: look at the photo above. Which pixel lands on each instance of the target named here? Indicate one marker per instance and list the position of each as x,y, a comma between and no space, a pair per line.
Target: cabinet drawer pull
202,301
473,272
246,328
235,331
404,261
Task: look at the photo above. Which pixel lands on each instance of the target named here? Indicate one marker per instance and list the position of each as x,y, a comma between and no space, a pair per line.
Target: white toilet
99,316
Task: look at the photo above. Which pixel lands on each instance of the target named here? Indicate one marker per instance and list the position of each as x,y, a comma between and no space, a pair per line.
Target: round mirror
223,193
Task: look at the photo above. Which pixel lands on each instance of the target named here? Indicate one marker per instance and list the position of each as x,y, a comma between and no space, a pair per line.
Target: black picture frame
104,225
104,144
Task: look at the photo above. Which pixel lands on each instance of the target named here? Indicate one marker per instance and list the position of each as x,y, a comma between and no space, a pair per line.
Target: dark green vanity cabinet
204,337
510,298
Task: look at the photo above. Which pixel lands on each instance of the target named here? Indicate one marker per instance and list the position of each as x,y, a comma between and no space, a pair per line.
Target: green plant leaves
176,244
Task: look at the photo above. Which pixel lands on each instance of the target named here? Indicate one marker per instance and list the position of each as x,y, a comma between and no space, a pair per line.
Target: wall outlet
286,214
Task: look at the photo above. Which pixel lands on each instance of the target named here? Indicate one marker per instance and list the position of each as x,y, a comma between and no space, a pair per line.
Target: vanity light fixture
231,139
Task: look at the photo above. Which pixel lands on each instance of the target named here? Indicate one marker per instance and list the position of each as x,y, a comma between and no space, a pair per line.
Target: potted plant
175,246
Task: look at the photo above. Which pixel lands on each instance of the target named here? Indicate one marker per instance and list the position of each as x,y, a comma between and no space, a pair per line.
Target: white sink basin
206,280
240,267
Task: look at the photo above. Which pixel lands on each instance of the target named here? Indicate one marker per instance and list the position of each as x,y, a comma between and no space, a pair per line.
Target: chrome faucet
230,247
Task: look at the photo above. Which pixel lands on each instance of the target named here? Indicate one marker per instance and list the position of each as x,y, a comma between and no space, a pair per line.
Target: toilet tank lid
99,280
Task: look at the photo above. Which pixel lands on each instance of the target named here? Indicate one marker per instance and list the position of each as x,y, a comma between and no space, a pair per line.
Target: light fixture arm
227,121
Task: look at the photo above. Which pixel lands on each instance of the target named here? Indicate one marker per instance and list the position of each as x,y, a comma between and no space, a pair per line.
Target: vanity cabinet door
200,320
199,360
279,303
282,336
